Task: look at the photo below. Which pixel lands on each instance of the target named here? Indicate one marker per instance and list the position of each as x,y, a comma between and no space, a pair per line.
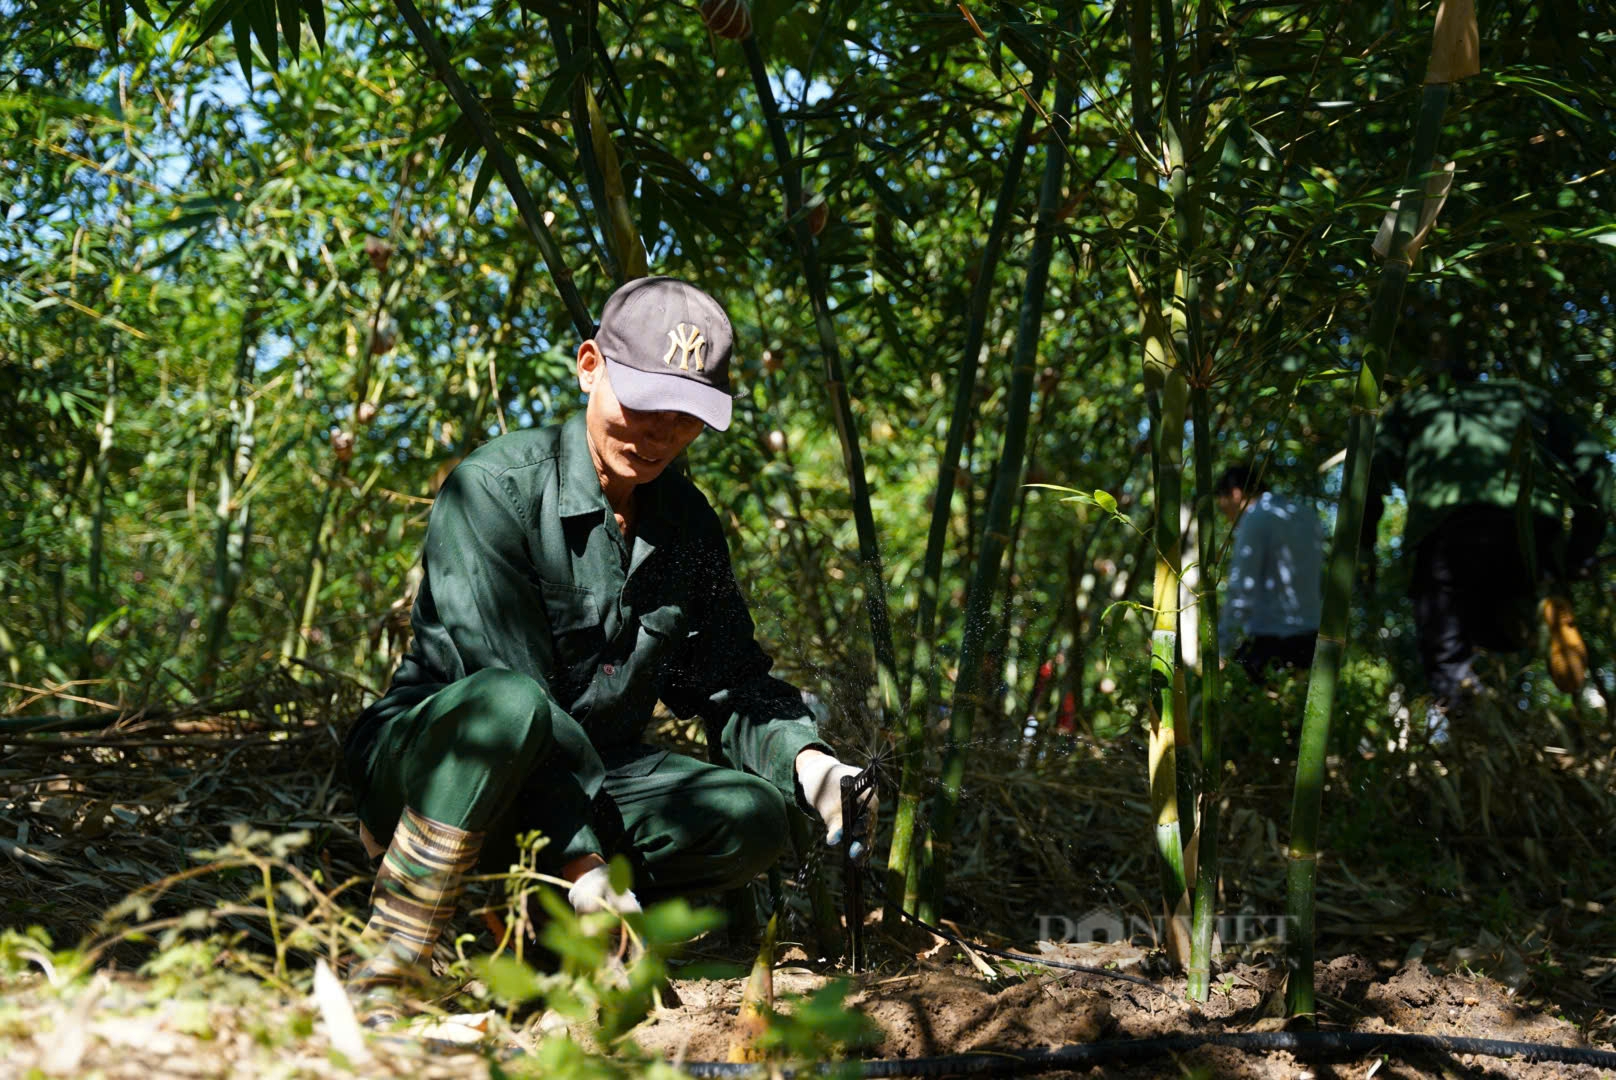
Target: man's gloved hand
820,777
593,892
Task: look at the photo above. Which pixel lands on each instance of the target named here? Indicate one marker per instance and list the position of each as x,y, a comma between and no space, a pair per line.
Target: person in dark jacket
572,581
1491,470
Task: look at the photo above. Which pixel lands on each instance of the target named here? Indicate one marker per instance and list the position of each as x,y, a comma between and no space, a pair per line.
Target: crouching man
571,582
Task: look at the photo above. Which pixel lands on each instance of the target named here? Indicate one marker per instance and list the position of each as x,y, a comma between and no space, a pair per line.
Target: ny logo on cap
688,341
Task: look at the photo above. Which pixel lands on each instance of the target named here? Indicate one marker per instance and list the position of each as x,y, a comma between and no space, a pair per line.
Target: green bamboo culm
996,531
1302,871
1165,714
470,107
875,591
1183,134
1206,861
1164,377
105,436
389,289
233,506
902,893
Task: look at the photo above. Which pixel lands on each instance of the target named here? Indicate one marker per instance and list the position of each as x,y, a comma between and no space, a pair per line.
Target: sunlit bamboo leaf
105,623
625,237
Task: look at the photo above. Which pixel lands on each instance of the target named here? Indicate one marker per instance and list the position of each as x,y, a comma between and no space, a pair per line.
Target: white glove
820,777
593,892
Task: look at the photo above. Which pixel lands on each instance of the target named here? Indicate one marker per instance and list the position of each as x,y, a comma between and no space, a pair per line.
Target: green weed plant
255,945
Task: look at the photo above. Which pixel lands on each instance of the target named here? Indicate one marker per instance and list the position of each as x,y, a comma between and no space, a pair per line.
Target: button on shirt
525,569
1275,578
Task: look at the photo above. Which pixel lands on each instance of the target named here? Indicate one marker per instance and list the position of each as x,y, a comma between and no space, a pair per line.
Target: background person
1491,470
1270,614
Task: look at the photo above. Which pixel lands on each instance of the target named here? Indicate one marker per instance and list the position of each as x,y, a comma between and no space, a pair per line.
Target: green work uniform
1475,445
543,639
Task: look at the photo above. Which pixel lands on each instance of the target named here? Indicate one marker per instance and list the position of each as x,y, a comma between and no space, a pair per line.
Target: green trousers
492,753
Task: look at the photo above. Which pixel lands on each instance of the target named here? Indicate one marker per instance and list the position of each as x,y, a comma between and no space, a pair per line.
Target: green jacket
526,570
1476,444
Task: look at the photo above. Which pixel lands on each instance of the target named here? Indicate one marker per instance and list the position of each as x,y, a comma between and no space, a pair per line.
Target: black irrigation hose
1351,1044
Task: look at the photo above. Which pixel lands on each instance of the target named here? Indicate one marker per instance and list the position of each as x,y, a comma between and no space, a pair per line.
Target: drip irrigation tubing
1345,1044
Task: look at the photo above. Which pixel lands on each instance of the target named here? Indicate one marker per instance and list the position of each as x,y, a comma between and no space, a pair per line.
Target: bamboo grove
270,270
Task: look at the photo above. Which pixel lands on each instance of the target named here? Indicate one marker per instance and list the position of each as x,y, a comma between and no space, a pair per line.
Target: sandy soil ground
950,1007
122,1026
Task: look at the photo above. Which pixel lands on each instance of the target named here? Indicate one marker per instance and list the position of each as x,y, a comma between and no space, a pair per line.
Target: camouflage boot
419,883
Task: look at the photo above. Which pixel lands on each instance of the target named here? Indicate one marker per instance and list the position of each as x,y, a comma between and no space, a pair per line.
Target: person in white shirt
1270,616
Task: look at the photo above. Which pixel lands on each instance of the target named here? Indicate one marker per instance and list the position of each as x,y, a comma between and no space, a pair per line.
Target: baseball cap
667,346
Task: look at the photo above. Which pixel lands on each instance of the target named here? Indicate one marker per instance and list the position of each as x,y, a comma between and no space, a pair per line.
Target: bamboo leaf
212,21
104,624
1151,197
292,26
52,105
626,239
554,102
263,16
1027,49
112,17
891,200
537,152
1262,141
315,11
459,141
241,27
1531,85
479,187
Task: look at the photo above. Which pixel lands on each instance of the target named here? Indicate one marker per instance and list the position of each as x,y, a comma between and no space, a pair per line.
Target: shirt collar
580,484
581,493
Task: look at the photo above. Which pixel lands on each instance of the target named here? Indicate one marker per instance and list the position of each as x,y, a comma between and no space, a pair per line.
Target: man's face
1231,503
629,444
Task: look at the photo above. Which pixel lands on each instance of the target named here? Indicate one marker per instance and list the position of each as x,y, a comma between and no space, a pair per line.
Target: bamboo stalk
1163,375
389,288
1165,714
1325,673
922,681
1199,983
232,509
995,536
875,595
1183,133
103,463
583,322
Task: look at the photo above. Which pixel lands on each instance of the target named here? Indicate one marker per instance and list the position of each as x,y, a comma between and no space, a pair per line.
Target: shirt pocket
662,635
575,630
